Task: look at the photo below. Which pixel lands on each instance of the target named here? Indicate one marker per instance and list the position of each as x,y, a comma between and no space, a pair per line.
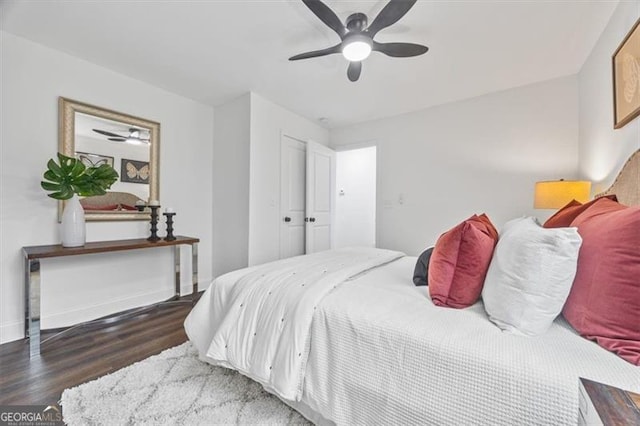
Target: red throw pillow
604,302
493,233
128,207
563,217
459,262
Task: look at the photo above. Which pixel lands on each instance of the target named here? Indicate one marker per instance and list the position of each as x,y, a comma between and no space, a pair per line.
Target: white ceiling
213,51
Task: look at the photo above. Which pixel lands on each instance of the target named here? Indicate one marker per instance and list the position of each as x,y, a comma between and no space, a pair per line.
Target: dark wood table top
56,250
614,406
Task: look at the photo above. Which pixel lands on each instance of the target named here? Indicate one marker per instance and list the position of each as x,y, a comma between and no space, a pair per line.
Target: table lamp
553,194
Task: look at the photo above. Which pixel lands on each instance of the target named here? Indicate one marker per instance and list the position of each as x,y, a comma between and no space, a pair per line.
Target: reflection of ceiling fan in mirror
134,136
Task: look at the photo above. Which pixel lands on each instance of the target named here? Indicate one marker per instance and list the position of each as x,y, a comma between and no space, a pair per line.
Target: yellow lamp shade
553,194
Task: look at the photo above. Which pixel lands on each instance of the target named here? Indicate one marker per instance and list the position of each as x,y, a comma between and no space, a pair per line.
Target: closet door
292,196
320,202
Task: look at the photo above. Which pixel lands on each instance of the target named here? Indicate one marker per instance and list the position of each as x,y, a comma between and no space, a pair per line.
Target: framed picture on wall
94,160
134,171
626,78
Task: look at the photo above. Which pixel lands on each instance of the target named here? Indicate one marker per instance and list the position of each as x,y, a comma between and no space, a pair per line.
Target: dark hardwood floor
86,353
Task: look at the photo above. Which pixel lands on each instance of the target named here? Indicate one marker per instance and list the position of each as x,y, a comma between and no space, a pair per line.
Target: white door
320,202
292,196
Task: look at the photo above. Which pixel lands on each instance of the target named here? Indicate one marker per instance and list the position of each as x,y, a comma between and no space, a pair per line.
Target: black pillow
421,272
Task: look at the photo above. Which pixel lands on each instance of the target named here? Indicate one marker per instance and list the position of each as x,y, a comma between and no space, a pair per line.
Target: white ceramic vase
73,228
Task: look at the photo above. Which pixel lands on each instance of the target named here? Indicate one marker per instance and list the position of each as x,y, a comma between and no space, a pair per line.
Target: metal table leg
32,305
194,270
176,266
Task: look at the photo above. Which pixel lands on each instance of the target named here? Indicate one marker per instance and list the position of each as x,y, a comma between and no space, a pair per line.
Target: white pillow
530,275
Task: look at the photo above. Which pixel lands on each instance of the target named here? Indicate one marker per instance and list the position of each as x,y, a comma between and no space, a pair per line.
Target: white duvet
263,314
379,352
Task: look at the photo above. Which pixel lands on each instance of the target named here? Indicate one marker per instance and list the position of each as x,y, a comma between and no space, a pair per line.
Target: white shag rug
174,388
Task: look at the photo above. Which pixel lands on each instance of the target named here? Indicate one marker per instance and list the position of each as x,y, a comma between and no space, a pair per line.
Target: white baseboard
11,331
98,310
14,330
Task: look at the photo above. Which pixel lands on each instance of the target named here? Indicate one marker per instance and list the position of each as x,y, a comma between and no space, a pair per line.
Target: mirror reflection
128,144
123,146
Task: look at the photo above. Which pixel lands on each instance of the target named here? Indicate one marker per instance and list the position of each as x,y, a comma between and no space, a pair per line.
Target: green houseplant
66,180
72,177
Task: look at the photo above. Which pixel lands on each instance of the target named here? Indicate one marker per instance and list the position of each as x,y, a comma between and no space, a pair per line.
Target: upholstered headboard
627,183
110,199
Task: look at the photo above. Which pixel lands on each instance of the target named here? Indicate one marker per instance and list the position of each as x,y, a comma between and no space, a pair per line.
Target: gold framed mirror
131,145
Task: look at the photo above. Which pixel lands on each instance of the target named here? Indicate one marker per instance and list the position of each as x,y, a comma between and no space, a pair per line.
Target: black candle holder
154,224
169,217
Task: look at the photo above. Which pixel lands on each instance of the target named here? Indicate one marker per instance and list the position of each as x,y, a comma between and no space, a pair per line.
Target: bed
345,337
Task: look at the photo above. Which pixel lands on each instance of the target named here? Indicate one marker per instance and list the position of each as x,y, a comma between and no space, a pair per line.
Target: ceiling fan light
357,48
136,141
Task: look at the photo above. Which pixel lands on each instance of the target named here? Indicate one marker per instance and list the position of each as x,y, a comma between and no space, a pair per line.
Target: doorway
355,217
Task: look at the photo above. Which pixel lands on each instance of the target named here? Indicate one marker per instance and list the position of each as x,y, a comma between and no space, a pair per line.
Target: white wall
268,122
80,288
479,155
231,185
602,149
355,214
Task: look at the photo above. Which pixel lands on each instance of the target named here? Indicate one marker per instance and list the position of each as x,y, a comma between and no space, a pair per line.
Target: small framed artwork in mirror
94,160
133,171
131,144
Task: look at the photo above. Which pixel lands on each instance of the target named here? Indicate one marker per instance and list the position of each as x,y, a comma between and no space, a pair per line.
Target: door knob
306,219
312,219
287,219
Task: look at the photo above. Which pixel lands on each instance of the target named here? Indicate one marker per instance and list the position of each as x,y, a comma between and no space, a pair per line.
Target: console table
33,254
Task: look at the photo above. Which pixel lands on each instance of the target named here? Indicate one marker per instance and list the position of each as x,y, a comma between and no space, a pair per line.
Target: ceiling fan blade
400,50
354,70
104,132
322,52
390,14
117,139
327,16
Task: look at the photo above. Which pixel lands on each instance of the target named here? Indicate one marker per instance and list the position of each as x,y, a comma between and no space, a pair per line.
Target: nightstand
601,404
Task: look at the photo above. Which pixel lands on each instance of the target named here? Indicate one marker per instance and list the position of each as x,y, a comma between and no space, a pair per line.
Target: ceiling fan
357,38
134,136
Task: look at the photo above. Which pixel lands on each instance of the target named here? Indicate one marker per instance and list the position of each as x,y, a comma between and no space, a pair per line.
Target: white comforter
383,353
262,320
